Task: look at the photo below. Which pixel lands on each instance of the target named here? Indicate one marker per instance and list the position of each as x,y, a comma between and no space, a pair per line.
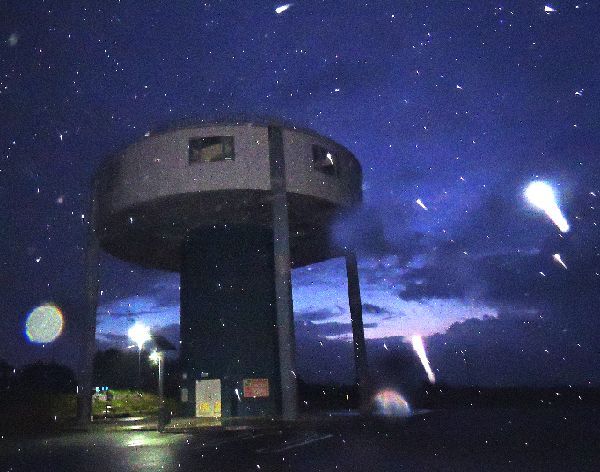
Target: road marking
221,442
295,444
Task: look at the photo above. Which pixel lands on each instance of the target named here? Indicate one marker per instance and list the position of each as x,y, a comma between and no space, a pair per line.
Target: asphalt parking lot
461,440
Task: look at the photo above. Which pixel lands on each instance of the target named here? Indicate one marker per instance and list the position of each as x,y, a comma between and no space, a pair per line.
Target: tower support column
283,282
88,334
358,332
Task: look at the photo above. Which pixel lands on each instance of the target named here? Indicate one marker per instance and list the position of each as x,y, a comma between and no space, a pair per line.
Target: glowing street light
139,334
541,195
154,356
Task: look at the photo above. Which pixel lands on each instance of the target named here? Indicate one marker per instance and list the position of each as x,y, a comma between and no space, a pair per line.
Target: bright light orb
558,259
541,195
390,403
280,9
44,324
139,334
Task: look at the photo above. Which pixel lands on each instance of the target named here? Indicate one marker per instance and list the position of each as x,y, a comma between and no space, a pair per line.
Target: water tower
232,207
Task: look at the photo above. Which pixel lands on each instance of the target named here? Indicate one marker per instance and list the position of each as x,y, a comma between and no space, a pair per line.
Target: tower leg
88,335
283,283
358,332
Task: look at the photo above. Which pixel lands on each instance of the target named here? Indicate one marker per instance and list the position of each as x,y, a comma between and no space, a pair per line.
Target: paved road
461,440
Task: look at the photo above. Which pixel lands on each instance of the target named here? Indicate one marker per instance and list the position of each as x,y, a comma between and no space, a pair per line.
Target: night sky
458,105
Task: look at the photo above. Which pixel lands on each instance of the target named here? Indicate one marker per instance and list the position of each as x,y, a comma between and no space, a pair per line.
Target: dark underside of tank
152,234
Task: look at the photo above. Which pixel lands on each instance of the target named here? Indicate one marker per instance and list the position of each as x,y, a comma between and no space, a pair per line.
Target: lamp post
139,334
158,356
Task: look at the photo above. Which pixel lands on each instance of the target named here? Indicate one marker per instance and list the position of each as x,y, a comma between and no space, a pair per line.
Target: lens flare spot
390,403
44,324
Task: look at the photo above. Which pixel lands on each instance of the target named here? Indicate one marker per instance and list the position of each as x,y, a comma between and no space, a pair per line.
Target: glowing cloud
417,344
44,324
541,196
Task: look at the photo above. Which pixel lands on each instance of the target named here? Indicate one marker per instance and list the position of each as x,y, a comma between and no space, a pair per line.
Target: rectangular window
211,149
323,160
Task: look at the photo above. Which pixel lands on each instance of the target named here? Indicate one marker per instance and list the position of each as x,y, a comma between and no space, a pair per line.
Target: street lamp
157,357
154,356
139,334
161,344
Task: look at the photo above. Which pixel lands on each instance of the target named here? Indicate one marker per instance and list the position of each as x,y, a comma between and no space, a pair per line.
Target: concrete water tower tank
232,207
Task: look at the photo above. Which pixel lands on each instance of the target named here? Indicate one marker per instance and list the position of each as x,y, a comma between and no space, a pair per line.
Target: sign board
101,396
254,388
208,398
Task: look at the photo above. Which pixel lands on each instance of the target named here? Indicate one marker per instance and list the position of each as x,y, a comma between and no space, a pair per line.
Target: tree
6,375
46,377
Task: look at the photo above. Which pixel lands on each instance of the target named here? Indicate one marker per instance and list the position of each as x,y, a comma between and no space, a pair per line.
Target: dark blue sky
458,104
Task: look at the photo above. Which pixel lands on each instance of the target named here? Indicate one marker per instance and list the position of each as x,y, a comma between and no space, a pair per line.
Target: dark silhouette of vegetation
37,397
42,396
46,378
118,369
314,397
6,375
444,396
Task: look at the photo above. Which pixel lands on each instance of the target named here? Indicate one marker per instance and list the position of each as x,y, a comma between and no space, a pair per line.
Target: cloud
136,306
518,349
111,340
501,257
317,315
166,291
369,308
368,232
327,329
522,279
171,332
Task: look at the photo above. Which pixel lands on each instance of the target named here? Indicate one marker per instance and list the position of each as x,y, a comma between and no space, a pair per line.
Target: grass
127,403
37,411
